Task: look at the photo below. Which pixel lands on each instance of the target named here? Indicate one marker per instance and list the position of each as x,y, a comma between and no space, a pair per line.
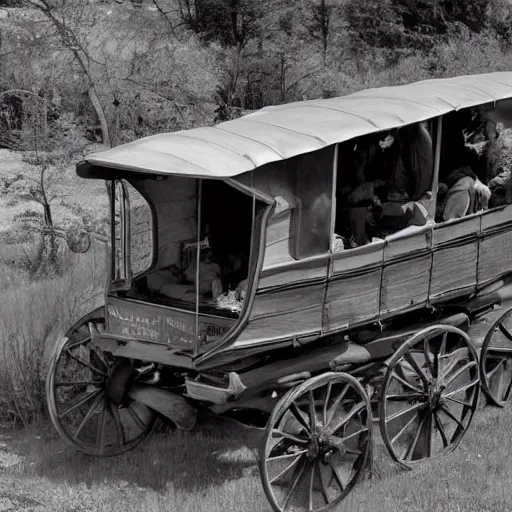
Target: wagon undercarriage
418,384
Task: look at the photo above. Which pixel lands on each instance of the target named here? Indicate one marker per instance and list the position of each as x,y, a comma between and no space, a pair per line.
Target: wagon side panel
406,272
455,258
495,257
286,311
354,287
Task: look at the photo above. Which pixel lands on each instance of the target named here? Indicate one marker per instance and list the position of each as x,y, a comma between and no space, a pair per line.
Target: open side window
475,161
384,186
119,205
132,235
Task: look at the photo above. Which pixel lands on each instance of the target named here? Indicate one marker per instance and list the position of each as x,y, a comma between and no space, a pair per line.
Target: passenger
397,172
461,171
498,159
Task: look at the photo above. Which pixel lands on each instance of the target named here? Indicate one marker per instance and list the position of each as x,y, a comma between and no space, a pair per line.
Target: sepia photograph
255,255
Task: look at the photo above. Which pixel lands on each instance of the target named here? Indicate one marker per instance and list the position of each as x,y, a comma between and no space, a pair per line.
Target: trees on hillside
418,24
169,64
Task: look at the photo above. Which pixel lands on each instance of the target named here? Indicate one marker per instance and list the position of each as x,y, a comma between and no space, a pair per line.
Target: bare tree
56,15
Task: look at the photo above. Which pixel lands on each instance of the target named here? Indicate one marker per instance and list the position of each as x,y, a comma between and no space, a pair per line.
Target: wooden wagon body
308,306
295,299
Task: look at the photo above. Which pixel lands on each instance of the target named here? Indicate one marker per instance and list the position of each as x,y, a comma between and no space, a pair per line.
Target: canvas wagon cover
280,132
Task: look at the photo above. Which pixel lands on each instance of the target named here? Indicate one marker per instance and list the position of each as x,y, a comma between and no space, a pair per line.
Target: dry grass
209,471
32,316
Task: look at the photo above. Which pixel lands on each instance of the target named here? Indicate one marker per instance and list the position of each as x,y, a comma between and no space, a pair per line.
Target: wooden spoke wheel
496,360
82,410
429,394
317,443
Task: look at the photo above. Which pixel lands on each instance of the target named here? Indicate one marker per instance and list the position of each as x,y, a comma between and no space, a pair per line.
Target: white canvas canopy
280,132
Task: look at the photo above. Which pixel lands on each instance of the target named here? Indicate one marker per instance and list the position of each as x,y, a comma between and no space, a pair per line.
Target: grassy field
208,470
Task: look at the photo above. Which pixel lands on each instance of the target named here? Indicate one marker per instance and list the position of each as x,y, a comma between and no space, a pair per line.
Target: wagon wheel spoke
427,429
299,440
507,392
88,415
136,418
458,373
312,412
325,495
337,477
472,384
62,383
326,402
438,367
282,473
296,479
77,343
410,449
493,372
415,407
427,353
311,484
505,331
406,384
339,444
100,438
499,352
460,425
80,402
406,397
86,364
404,429
440,427
332,428
100,356
286,456
336,404
421,374
344,439
298,416
457,401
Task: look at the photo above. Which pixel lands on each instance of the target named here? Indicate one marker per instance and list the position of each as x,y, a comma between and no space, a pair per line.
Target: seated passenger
397,174
460,171
498,158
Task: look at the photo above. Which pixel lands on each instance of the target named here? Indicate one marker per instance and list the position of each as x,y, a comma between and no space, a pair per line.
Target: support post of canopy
197,340
333,197
437,159
251,245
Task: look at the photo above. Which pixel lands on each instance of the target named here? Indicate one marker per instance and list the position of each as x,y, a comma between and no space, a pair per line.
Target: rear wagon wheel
81,410
429,394
496,360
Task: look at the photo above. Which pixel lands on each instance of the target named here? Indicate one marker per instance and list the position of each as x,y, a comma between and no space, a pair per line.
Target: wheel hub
313,448
436,399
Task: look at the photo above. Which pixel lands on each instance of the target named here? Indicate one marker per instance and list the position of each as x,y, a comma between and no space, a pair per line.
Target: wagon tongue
172,406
